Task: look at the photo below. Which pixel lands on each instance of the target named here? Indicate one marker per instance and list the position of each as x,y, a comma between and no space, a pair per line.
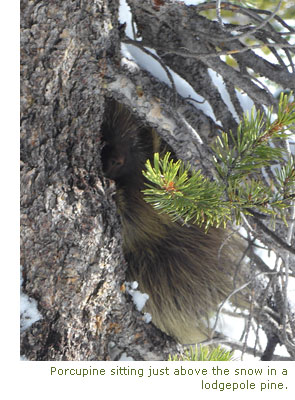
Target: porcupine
180,267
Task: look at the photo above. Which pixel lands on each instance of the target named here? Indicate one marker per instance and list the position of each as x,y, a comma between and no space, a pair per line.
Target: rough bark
71,257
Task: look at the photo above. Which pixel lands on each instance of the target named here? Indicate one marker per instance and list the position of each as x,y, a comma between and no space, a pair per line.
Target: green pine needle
204,353
182,194
173,188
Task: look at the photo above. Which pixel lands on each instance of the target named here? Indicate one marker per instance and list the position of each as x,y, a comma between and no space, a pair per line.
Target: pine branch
182,193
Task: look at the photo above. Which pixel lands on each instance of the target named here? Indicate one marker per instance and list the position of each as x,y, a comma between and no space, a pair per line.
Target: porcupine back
180,267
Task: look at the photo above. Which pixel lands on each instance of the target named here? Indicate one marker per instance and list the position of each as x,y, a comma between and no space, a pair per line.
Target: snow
28,310
124,357
269,257
220,85
139,298
125,16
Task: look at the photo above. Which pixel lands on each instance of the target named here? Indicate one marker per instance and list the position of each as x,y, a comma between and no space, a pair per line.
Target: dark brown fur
179,267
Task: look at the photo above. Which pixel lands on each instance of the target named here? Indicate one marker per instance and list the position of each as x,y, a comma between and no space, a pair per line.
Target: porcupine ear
119,122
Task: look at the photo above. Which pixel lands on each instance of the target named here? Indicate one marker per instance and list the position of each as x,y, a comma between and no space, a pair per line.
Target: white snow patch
125,16
147,317
246,103
28,310
266,255
124,357
219,83
138,298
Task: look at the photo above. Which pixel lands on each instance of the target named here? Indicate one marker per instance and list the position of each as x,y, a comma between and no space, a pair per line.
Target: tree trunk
71,256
